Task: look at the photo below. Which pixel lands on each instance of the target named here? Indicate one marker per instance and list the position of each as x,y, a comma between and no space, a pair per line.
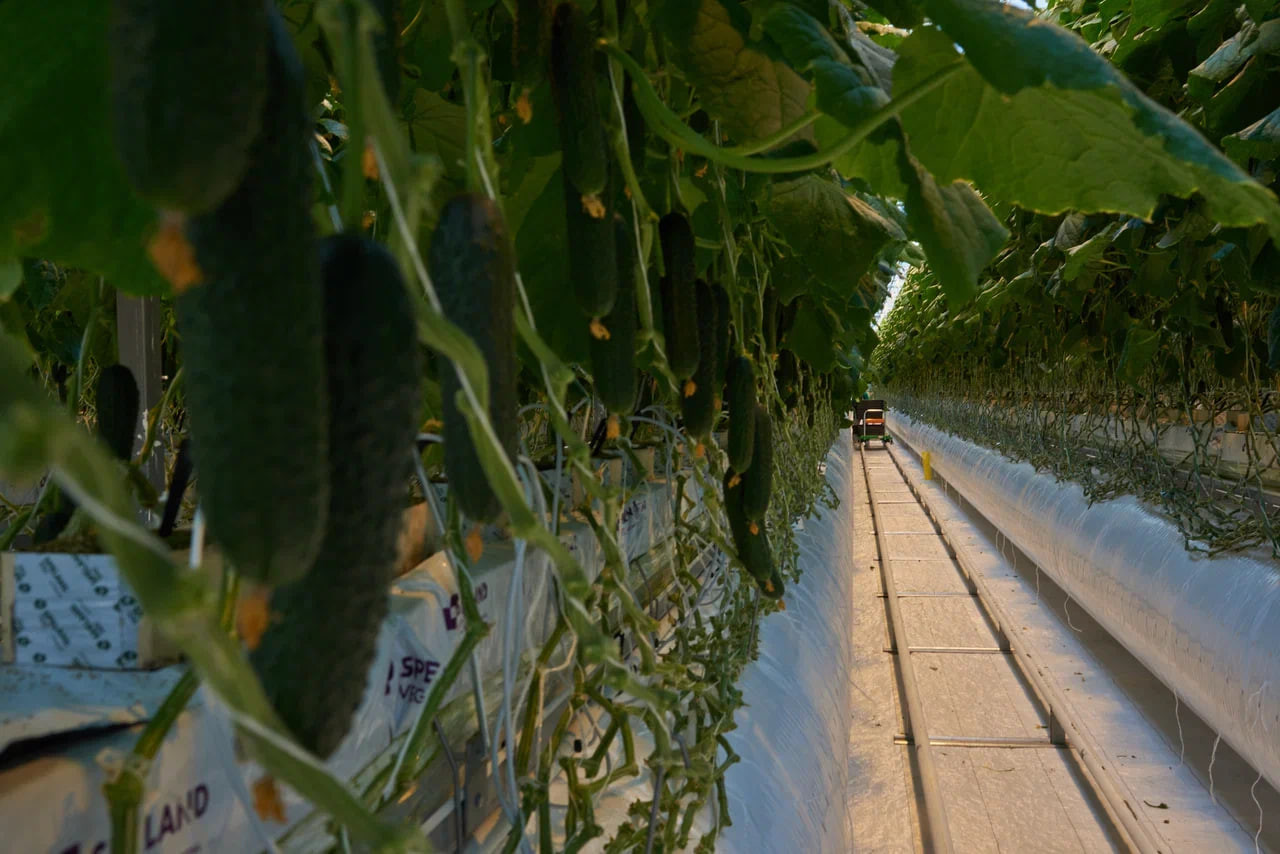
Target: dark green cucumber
314,658
750,540
698,408
757,480
117,406
531,42
474,274
786,374
188,81
679,294
573,84
255,389
770,310
741,398
592,245
635,128
724,314
386,46
116,402
613,358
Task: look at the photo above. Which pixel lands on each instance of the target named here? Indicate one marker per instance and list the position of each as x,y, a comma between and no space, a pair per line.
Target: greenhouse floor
1011,798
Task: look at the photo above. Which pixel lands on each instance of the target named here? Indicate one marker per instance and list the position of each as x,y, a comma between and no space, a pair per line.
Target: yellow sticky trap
613,430
267,802
172,254
524,107
690,388
475,543
927,462
598,330
593,206
253,615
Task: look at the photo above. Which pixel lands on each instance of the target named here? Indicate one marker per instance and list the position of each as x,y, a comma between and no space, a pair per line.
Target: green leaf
959,233
837,235
439,127
1086,138
811,336
1259,141
10,278
65,194
1082,255
1140,346
874,161
842,93
750,93
542,247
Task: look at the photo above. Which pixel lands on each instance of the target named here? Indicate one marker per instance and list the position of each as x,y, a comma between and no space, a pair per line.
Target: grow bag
1209,628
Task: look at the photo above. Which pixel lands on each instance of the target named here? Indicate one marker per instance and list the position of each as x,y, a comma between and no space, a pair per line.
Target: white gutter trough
1209,628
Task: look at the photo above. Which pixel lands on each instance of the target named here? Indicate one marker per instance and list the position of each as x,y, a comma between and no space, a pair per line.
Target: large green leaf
812,335
1260,140
65,194
959,233
1140,346
1086,138
750,93
837,235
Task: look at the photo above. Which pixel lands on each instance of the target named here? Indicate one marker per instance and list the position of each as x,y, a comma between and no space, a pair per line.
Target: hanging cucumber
741,398
116,403
757,480
593,255
697,401
187,83
770,311
573,85
117,406
724,314
315,656
530,46
256,396
474,274
613,357
679,294
750,539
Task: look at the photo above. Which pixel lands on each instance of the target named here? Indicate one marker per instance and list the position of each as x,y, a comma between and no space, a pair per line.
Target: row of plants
525,235
1135,355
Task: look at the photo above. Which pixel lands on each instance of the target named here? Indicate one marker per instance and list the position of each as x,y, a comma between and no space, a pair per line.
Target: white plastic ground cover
51,800
787,794
1209,628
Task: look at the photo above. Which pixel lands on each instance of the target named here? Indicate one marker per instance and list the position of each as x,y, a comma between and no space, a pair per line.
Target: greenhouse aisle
1005,799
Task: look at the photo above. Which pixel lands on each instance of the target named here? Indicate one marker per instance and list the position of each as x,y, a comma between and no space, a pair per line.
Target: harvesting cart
869,422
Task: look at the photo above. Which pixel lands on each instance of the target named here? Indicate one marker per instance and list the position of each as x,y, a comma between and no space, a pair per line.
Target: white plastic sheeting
1209,628
787,793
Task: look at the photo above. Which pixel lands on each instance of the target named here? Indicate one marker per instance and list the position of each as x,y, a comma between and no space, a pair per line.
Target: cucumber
724,314
255,390
531,43
757,480
187,85
774,587
593,255
786,374
698,408
386,47
613,358
314,659
635,127
770,311
741,398
117,406
573,85
679,294
474,273
752,545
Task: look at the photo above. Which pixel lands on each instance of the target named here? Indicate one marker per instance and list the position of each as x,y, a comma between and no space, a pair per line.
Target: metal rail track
1064,731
